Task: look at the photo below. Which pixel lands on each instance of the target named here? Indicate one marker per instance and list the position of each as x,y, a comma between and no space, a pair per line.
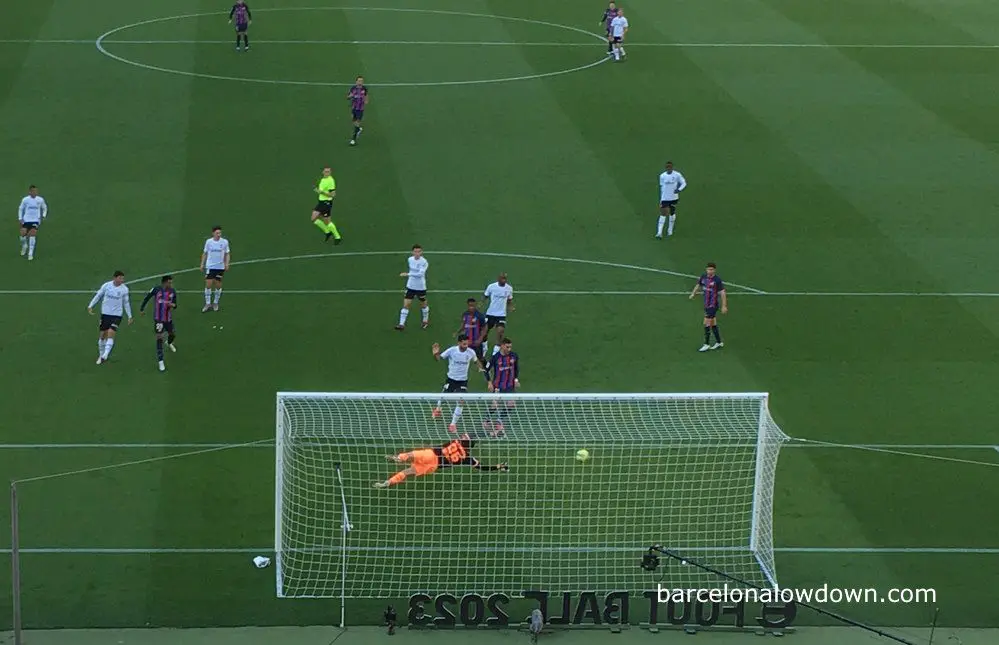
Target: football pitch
841,158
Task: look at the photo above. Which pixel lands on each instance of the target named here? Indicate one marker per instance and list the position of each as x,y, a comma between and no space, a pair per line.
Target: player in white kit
416,287
214,263
459,358
30,214
500,294
671,184
113,296
618,28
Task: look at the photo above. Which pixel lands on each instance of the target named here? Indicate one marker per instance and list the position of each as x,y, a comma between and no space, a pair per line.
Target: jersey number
159,328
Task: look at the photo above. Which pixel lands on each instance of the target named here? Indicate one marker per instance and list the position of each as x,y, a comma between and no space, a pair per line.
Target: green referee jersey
326,185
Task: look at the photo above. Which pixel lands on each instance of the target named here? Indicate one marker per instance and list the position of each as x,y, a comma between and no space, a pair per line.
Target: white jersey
670,185
618,26
417,274
32,210
458,361
114,300
215,252
498,296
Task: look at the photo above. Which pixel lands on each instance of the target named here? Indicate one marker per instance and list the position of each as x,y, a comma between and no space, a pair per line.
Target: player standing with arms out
326,189
416,287
714,294
214,263
30,214
500,295
358,97
671,184
164,299
113,296
459,357
619,28
426,461
504,378
610,13
240,14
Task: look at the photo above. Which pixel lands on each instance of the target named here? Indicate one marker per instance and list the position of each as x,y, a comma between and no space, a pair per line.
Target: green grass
812,170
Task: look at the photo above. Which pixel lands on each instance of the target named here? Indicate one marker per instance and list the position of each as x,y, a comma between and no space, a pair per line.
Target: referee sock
397,478
707,335
660,225
717,334
159,349
456,415
320,224
672,222
331,228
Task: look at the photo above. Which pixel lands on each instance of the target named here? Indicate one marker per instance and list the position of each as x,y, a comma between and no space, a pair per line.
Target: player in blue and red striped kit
358,97
504,378
610,13
474,325
241,16
164,299
714,295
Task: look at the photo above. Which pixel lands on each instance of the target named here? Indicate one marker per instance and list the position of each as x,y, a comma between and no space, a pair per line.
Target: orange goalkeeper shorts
424,462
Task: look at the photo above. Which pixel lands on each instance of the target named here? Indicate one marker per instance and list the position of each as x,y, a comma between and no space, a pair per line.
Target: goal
693,472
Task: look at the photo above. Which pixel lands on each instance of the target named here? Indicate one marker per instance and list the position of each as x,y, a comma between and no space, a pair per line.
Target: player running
214,263
241,15
500,295
416,287
503,376
610,13
426,461
671,184
30,214
113,296
473,326
714,292
164,299
459,358
358,97
326,189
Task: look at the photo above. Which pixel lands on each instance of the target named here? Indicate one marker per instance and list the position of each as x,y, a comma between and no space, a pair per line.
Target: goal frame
761,510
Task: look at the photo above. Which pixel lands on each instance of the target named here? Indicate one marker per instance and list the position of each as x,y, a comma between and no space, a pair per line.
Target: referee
326,189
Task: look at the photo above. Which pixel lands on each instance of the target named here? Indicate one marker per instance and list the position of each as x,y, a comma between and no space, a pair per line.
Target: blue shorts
709,312
358,114
506,390
241,27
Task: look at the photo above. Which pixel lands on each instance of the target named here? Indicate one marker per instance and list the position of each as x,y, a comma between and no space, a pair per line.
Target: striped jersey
609,15
473,325
358,96
240,14
504,370
162,299
712,287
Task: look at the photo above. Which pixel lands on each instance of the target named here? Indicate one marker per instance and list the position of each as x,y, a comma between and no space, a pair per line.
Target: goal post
693,472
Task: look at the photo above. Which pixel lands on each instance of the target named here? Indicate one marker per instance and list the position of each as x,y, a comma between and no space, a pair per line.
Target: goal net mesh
693,472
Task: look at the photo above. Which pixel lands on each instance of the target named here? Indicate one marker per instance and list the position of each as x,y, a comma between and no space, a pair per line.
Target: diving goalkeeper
426,461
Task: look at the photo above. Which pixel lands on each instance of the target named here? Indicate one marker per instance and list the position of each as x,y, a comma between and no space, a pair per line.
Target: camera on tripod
390,618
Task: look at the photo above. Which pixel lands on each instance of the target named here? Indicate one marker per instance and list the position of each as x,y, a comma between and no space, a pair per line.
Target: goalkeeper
426,461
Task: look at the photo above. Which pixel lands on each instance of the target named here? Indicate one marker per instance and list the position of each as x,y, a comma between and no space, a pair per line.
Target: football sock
621,49
100,347
31,246
617,54
218,295
672,222
170,338
331,228
660,225
707,335
208,296
397,478
357,131
108,346
24,242
237,40
610,47
403,315
159,349
320,224
717,334
246,41
456,415
426,313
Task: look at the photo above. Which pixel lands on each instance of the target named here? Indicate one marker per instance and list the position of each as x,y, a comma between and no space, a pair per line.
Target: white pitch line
721,45
549,292
470,548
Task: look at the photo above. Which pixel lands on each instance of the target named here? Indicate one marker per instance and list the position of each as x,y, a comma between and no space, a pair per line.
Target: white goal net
693,472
